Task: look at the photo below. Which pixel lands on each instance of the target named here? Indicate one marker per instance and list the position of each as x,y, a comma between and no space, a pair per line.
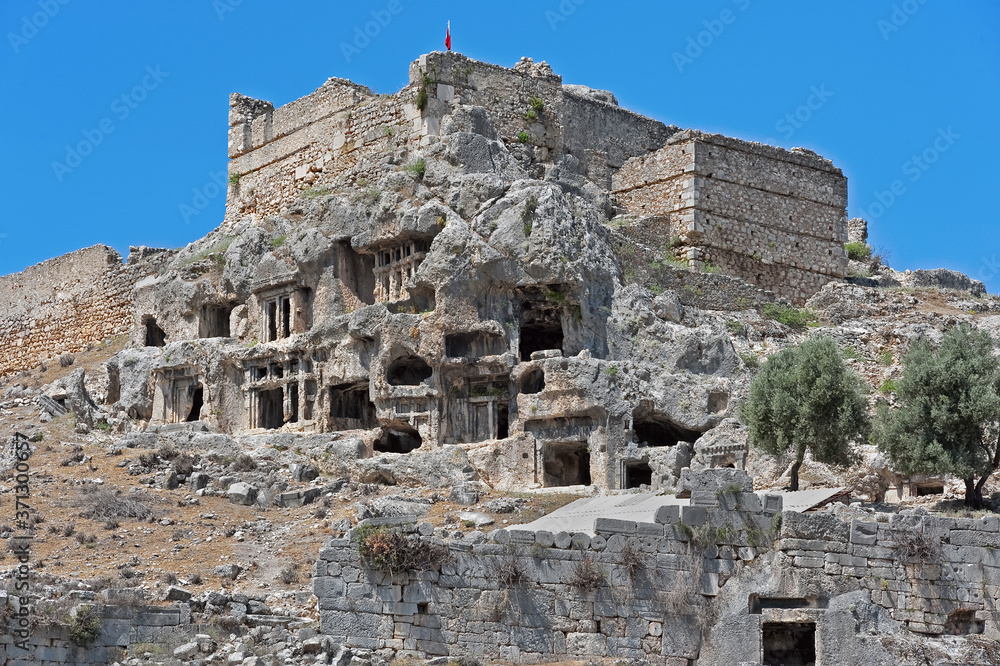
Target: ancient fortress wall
773,217
65,304
706,581
343,128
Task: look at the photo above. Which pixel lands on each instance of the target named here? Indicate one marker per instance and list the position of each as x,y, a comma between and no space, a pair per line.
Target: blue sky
902,95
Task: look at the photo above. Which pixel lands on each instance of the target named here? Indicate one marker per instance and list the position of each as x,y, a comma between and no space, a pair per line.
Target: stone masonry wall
671,591
121,626
772,217
342,127
65,304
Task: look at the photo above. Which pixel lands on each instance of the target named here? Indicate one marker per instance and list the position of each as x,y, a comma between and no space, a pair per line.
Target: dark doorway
541,328
637,474
293,402
286,317
408,371
155,337
533,382
272,321
653,428
789,643
351,408
397,440
270,412
503,422
197,402
930,489
566,464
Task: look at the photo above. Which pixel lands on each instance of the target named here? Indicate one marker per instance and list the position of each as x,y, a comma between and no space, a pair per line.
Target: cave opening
474,345
789,643
408,371
155,336
653,428
398,440
541,329
566,464
197,402
532,382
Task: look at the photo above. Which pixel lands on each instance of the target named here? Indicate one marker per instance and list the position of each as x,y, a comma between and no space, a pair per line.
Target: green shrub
393,552
885,358
858,251
789,316
537,104
528,213
524,137
278,242
531,115
752,360
314,192
234,178
417,168
85,626
889,386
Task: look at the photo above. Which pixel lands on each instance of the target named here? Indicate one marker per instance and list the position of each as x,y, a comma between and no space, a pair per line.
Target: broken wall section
772,217
67,303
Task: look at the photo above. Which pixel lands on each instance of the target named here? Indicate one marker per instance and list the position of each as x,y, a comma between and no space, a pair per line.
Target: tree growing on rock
806,398
947,420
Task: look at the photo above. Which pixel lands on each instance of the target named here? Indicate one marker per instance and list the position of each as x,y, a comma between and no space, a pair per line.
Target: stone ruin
487,261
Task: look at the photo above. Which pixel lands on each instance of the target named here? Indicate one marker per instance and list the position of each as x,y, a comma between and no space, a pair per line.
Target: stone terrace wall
64,304
671,591
121,626
773,217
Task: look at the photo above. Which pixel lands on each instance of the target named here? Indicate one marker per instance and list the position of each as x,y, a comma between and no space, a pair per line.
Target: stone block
614,526
863,533
772,503
545,539
562,540
706,498
586,645
694,515
649,529
668,514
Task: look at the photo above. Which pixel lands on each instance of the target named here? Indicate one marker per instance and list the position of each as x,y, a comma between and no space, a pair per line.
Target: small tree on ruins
949,411
806,398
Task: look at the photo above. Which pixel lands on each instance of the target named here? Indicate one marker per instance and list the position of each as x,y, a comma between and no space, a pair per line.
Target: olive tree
949,409
806,398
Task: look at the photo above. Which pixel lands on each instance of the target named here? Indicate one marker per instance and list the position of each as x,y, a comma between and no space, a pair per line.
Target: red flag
447,37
